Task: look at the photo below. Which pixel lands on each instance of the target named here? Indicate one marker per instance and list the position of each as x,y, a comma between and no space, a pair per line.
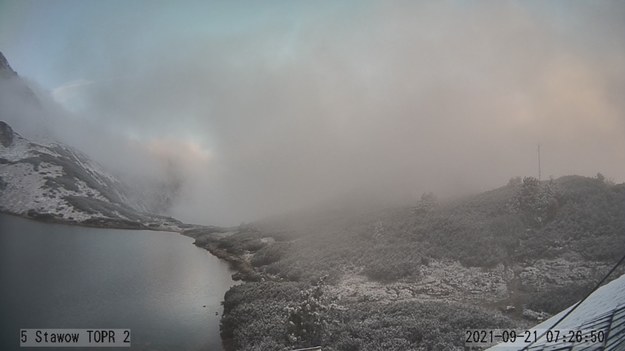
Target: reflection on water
158,284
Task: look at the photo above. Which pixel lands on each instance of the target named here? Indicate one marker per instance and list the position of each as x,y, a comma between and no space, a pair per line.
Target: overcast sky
261,107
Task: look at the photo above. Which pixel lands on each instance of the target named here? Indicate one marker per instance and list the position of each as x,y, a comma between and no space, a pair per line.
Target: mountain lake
167,291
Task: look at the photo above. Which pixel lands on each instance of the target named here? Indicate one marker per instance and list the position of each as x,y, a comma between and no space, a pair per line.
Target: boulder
6,134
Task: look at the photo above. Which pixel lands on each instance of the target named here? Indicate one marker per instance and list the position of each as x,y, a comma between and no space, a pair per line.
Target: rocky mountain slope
17,87
5,69
54,182
57,183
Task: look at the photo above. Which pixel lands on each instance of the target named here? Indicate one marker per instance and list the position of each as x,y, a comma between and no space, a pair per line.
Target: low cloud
385,99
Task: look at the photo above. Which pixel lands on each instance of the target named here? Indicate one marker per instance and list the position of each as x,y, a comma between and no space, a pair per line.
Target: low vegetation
286,315
515,226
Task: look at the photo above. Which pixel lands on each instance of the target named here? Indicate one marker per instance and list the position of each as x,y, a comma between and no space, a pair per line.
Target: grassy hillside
520,245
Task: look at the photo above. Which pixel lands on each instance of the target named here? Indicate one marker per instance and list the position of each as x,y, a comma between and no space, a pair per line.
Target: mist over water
261,109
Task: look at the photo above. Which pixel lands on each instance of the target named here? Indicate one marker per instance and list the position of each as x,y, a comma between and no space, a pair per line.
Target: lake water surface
154,283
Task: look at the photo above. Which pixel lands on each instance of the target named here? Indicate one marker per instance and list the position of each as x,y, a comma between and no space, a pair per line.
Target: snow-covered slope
55,182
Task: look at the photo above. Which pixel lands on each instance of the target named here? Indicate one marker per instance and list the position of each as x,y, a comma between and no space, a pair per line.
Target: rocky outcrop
6,133
5,68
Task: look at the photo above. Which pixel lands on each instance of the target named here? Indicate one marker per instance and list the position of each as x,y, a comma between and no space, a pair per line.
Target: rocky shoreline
208,240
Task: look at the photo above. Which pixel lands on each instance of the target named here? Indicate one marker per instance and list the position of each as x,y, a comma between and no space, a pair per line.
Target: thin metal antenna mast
538,162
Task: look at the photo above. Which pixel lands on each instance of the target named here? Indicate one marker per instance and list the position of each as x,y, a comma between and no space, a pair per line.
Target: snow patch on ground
559,272
18,150
440,280
26,187
26,190
85,190
23,189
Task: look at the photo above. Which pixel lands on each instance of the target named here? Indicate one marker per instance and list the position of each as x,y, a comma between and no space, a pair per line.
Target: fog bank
291,105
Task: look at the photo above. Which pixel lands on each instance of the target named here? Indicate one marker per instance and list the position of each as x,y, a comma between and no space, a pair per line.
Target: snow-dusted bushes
536,201
286,315
588,222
